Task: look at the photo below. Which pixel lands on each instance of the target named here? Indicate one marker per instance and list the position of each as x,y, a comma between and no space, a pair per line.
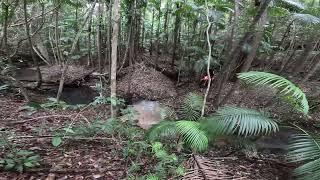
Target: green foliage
285,87
306,19
193,135
56,141
191,107
20,160
305,148
241,121
161,130
4,87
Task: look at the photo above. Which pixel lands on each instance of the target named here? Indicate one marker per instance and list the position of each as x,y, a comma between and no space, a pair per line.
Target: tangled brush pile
146,83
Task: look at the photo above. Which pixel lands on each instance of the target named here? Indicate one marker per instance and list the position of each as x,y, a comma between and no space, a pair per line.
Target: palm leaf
240,121
191,107
284,86
167,113
193,135
294,3
306,19
305,148
161,130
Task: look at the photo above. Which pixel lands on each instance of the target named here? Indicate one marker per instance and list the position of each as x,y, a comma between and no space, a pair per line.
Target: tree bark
35,62
248,61
73,48
158,33
99,25
176,36
114,49
237,52
311,45
314,69
151,33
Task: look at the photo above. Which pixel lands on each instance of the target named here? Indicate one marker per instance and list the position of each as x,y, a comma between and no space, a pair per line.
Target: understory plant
227,121
16,159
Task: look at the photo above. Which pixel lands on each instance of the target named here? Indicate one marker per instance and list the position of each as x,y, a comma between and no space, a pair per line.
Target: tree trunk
99,25
165,28
76,26
151,33
237,53
175,36
5,14
114,49
73,48
314,69
311,45
247,63
158,33
89,62
35,62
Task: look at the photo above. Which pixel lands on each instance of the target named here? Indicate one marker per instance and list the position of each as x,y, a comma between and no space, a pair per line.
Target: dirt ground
101,157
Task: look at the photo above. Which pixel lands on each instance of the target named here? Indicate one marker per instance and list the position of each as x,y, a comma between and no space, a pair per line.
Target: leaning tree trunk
114,49
248,61
311,45
73,48
314,69
237,52
35,62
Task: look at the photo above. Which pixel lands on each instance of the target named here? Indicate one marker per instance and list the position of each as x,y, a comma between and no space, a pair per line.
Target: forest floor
102,157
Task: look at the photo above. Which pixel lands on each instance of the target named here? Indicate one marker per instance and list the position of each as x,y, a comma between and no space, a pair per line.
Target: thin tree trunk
89,62
176,36
158,33
99,24
35,62
5,15
56,32
73,48
209,59
313,70
165,28
114,50
151,33
76,26
311,45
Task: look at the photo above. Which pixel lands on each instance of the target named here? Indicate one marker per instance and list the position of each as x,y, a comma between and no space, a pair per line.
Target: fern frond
305,148
193,135
284,86
240,121
191,107
161,130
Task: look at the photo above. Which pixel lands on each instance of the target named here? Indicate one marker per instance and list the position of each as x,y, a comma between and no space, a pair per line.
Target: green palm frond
305,148
193,135
306,19
284,86
294,3
161,130
191,107
240,121
167,113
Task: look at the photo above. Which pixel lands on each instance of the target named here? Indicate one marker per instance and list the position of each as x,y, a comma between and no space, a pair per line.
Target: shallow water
147,113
